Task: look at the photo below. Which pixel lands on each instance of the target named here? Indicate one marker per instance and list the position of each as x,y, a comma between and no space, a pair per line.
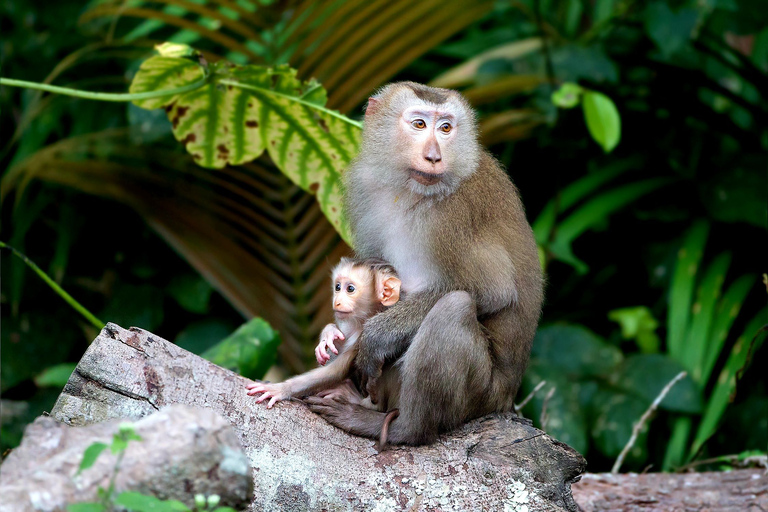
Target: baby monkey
361,289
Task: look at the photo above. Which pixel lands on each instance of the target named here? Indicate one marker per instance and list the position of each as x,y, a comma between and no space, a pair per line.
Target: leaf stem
56,288
104,96
330,112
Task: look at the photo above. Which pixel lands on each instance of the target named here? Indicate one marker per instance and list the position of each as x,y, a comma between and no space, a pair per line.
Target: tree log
300,462
744,490
184,451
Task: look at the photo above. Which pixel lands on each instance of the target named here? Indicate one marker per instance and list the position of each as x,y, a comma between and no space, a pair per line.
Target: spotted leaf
243,110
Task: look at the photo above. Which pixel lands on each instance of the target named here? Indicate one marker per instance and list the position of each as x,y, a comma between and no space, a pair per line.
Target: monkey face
427,130
425,137
353,292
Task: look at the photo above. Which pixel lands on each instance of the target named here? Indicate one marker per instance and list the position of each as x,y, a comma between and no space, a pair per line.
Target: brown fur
456,347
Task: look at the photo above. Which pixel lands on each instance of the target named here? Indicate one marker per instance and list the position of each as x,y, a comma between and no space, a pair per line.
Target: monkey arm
387,335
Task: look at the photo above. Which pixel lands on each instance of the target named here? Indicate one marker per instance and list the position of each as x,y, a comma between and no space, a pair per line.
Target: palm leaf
256,237
370,41
229,42
465,73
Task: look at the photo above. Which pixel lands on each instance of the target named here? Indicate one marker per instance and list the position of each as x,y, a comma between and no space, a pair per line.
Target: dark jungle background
654,253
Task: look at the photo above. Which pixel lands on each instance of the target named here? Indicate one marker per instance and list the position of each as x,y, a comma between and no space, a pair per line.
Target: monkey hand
327,337
275,392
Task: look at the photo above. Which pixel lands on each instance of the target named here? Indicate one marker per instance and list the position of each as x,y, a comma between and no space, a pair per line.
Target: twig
639,425
523,439
733,460
528,398
543,418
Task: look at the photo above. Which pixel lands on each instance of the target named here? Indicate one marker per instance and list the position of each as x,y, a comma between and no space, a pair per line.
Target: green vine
55,287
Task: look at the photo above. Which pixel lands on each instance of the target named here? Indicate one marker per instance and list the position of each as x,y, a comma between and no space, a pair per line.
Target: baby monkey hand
330,334
275,392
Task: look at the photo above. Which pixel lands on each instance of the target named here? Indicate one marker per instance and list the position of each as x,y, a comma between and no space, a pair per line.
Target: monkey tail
391,415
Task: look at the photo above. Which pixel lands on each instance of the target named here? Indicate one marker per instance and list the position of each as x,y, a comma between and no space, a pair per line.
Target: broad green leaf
90,455
615,416
566,419
250,350
702,314
727,311
55,376
670,30
682,285
164,72
722,395
575,351
567,96
200,336
646,375
127,431
602,117
86,507
191,291
638,324
138,502
243,110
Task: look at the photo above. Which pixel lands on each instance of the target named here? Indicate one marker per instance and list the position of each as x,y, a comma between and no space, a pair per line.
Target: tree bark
300,462
744,490
183,451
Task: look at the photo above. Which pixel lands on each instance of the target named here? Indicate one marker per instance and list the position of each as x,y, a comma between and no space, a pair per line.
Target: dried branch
528,398
543,418
639,425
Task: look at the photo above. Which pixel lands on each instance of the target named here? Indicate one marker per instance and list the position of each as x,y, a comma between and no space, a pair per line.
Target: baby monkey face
363,288
353,291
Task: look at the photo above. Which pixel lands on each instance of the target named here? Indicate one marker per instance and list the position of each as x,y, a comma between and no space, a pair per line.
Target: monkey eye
337,287
446,127
351,288
419,124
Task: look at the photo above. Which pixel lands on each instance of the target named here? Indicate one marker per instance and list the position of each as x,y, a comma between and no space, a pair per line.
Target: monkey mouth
342,314
425,178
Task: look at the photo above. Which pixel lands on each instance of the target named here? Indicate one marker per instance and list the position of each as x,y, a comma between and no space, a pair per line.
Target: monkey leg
445,372
344,407
444,376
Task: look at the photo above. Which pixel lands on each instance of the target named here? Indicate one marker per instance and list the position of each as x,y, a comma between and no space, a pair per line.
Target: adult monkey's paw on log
425,197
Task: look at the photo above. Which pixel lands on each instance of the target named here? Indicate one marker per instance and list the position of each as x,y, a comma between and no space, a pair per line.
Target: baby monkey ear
388,290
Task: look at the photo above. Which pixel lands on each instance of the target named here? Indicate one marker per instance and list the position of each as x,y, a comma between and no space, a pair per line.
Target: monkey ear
389,292
372,105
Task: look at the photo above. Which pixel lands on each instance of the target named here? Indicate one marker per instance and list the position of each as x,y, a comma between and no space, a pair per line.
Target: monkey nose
432,152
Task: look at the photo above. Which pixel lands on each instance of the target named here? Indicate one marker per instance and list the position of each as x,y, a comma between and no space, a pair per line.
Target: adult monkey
424,196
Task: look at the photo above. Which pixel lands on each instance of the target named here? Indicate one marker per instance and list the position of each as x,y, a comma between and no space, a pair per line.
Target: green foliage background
653,251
